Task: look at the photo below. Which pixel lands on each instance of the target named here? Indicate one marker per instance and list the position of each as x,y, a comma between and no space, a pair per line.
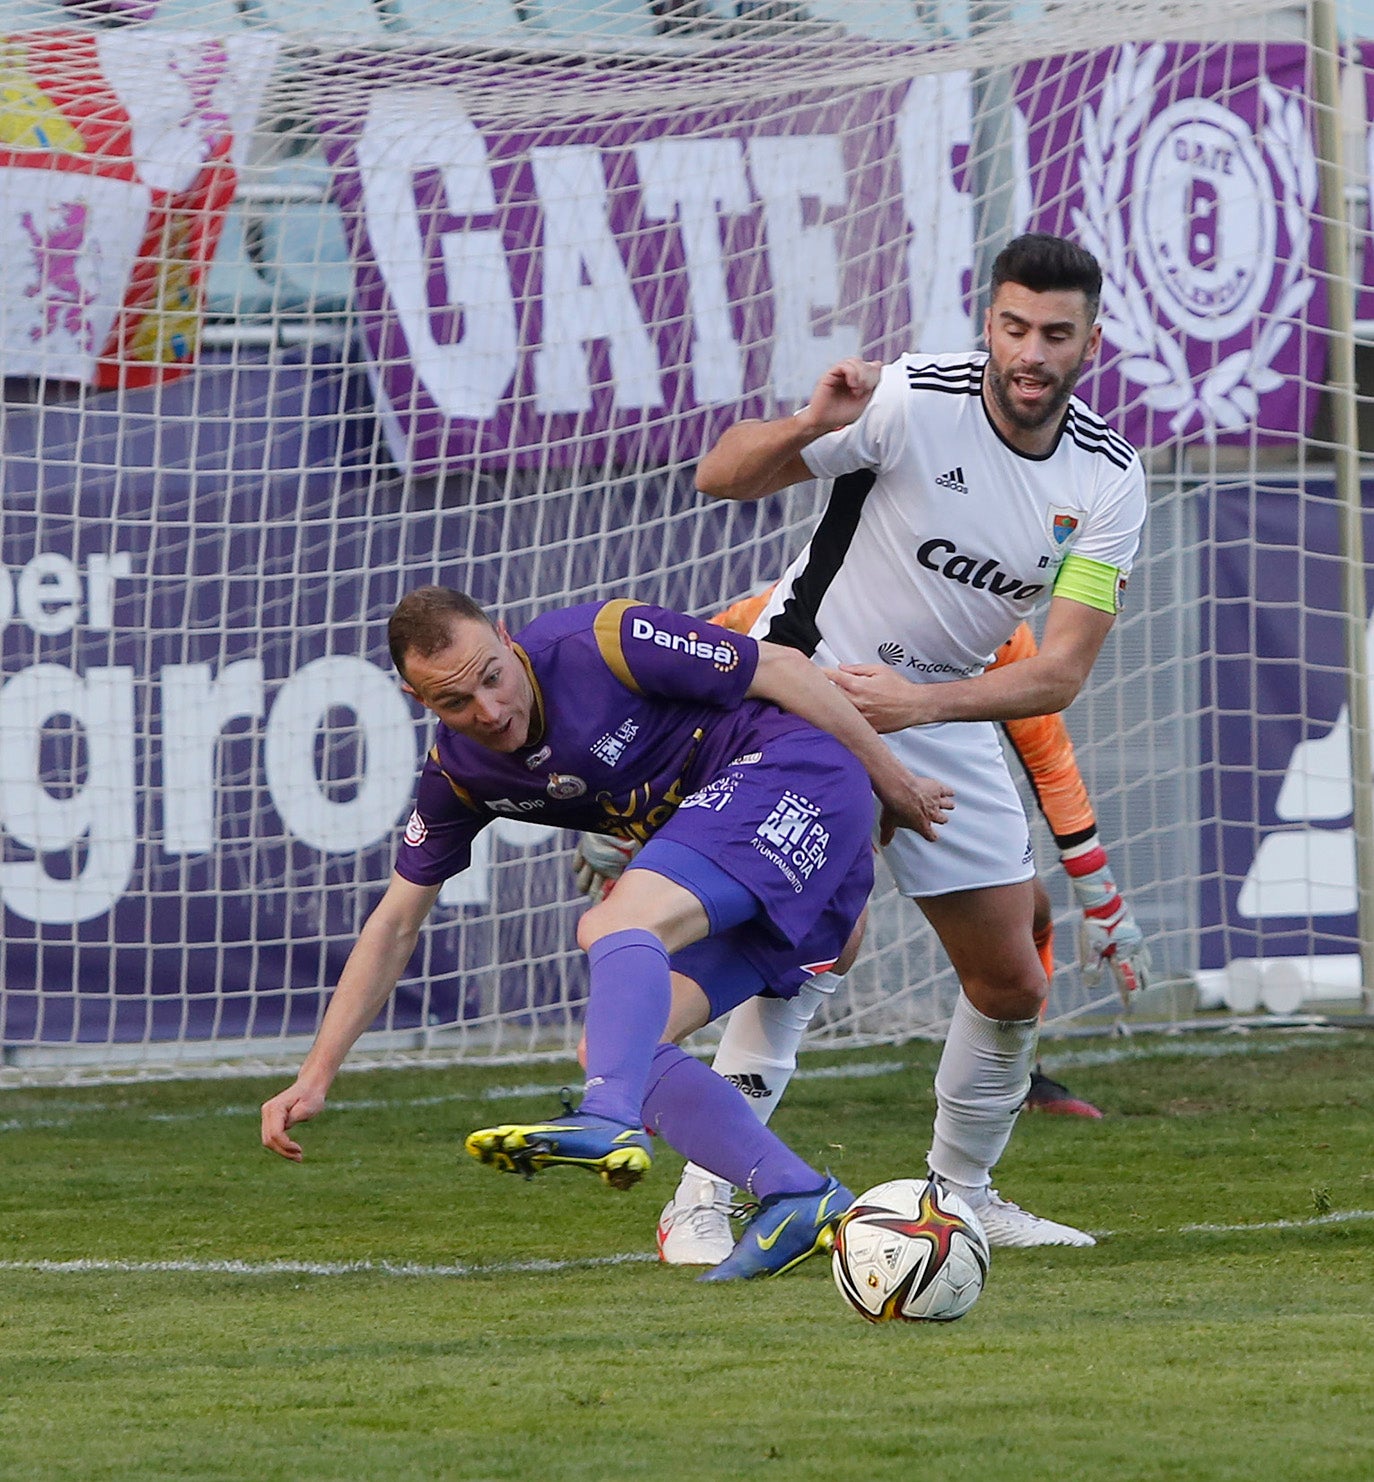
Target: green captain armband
1093,583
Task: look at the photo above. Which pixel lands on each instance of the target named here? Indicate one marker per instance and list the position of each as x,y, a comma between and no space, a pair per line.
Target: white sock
758,1050
980,1086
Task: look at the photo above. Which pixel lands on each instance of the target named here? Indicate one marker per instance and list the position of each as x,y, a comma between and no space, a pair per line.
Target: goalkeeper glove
1109,938
599,862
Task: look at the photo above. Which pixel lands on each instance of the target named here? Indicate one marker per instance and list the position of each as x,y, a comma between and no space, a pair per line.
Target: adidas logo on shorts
953,480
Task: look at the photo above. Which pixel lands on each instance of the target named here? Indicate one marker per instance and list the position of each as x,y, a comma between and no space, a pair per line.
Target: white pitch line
1191,1050
1336,1217
462,1269
860,1070
319,1268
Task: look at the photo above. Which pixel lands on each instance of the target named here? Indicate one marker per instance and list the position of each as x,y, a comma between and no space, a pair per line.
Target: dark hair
423,622
1045,263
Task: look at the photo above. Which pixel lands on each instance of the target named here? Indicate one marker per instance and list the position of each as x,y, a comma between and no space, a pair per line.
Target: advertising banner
1190,173
624,287
1278,864
118,157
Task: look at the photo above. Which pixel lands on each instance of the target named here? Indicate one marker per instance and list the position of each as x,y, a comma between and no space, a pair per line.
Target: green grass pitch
176,1303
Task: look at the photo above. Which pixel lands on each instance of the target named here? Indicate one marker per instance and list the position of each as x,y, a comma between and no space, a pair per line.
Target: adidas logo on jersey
953,480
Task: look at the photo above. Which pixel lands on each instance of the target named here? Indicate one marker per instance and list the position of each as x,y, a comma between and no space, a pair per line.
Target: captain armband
1093,583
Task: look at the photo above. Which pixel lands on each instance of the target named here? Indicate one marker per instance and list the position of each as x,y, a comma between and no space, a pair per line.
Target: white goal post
304,305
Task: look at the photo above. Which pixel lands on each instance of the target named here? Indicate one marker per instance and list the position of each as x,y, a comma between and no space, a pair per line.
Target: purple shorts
793,825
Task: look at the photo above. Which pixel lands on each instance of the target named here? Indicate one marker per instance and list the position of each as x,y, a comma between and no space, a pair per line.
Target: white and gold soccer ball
909,1250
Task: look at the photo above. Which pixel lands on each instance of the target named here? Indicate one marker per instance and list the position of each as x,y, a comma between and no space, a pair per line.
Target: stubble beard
1032,419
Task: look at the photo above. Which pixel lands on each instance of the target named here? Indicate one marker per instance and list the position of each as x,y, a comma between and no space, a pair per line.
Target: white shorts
987,840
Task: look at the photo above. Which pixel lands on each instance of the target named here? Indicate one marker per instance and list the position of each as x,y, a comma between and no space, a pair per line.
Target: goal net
305,305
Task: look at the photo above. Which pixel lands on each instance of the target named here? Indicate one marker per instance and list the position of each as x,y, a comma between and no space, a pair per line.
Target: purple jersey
636,709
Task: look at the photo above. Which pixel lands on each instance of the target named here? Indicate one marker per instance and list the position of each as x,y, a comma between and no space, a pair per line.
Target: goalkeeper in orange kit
758,1050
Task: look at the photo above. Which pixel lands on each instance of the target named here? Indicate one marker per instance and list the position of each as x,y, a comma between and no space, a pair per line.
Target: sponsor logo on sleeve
723,654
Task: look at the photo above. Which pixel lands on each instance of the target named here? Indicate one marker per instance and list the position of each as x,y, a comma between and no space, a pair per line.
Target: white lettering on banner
412,129
934,133
473,886
587,295
1309,872
46,595
195,709
299,711
696,181
1205,225
98,816
802,260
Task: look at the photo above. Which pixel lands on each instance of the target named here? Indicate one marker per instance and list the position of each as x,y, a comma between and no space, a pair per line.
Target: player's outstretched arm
789,679
1041,684
753,459
1110,942
369,976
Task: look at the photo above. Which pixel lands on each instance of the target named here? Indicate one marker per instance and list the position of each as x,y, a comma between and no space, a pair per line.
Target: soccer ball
909,1250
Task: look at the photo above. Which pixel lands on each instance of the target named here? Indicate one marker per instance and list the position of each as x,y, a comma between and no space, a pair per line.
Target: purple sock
707,1120
627,1011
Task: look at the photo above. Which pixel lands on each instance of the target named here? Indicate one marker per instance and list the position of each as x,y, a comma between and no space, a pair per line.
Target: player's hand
844,391
1118,948
923,806
599,862
286,1109
884,699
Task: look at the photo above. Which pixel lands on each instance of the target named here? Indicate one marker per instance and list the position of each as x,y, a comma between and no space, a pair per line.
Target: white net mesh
305,305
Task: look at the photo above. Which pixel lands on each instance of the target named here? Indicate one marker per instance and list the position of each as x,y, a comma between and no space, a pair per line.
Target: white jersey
939,537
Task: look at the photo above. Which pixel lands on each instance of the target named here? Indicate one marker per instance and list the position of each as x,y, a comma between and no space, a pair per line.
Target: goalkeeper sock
1091,877
980,1087
758,1051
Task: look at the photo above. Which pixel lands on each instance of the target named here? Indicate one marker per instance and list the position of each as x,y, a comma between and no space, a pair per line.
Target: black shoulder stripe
794,625
1094,436
956,380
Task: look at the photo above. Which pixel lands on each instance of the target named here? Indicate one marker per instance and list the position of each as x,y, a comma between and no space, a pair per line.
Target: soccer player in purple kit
750,776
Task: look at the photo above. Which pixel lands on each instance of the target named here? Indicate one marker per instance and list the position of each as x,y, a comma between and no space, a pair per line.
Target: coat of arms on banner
1184,207
118,155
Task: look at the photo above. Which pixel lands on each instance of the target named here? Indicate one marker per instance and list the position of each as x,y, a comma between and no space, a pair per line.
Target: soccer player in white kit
967,490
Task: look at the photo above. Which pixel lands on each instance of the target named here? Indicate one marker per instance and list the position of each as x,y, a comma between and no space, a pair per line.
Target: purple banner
1364,218
1278,857
1190,172
205,757
618,290
621,289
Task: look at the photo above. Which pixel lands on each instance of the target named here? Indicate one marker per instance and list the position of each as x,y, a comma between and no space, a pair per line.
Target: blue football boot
786,1229
617,1153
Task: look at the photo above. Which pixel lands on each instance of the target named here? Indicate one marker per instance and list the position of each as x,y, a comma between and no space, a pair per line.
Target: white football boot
694,1228
1009,1227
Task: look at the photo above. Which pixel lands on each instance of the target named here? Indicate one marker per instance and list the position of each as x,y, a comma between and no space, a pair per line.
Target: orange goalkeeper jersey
1041,743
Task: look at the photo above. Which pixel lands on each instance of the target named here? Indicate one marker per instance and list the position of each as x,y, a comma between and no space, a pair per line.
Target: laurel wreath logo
1227,397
